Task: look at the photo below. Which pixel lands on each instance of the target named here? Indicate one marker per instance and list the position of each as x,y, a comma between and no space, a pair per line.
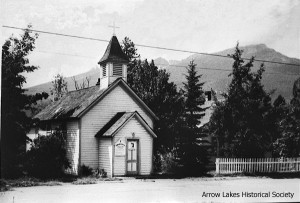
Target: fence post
217,165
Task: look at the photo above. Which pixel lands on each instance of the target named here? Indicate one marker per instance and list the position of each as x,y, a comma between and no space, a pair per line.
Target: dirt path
168,190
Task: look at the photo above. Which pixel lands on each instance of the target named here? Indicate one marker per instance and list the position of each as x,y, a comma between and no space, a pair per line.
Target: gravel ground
229,189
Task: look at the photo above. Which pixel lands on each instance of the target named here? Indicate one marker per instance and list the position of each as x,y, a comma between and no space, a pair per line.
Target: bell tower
113,64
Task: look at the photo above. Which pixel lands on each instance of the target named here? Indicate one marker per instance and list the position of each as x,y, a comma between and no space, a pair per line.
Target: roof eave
111,87
104,61
141,120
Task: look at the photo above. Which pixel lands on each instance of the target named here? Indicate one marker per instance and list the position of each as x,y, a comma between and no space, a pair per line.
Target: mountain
277,76
161,62
93,74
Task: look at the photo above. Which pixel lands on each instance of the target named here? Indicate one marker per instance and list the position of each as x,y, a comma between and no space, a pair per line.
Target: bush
86,170
166,162
100,173
4,186
193,160
47,156
85,181
188,160
24,182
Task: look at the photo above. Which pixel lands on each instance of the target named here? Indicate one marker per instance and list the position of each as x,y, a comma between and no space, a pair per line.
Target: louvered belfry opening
113,64
104,71
117,69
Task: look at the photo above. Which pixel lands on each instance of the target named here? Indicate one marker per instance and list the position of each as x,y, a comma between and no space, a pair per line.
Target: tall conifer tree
241,123
194,97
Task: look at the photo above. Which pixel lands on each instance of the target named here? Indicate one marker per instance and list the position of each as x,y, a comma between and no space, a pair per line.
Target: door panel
132,156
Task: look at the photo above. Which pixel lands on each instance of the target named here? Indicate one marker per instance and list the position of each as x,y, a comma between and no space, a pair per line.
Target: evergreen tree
276,114
288,144
192,156
279,101
14,101
129,49
241,123
152,85
194,97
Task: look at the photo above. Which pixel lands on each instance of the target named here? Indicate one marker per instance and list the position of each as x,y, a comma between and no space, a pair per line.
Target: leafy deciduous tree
154,88
47,156
14,101
60,87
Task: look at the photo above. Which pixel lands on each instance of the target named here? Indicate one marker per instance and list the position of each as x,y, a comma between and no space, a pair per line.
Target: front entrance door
132,157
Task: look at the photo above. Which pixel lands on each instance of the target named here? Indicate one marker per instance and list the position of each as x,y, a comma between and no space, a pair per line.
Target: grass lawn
8,184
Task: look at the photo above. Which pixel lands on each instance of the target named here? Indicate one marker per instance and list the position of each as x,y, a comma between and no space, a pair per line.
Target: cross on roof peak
114,28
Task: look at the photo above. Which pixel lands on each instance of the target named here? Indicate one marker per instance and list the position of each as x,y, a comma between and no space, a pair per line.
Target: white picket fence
252,165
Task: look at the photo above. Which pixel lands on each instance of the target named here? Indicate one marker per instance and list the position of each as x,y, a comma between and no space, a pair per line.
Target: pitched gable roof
113,53
76,103
119,121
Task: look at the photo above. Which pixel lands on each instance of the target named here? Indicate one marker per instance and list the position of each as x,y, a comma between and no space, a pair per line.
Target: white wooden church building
108,126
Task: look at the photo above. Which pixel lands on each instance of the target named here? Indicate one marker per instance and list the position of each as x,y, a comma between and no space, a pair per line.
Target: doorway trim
128,173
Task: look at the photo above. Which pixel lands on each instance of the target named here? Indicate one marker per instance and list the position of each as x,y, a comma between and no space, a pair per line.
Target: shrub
193,160
86,170
189,160
4,186
47,156
101,173
24,182
85,181
167,163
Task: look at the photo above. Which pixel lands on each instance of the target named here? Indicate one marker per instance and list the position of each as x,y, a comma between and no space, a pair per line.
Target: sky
197,25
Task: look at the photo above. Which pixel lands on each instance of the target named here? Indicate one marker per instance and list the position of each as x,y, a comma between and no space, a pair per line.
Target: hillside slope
93,74
276,76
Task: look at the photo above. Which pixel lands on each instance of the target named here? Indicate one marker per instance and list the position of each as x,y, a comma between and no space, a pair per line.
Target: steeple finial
114,28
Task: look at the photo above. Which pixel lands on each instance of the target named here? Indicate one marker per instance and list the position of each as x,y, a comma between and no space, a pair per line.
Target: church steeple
113,63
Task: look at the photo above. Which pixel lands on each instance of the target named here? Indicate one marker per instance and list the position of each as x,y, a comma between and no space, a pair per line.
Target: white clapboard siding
254,165
145,148
118,100
73,145
104,158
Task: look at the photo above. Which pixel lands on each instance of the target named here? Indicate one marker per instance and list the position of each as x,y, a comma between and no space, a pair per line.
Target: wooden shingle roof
113,53
70,105
76,103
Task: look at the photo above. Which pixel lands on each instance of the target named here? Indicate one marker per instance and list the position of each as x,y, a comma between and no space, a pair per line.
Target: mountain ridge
276,76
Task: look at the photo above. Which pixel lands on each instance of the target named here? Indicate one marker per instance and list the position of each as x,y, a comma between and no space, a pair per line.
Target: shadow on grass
273,175
172,176
280,175
8,184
